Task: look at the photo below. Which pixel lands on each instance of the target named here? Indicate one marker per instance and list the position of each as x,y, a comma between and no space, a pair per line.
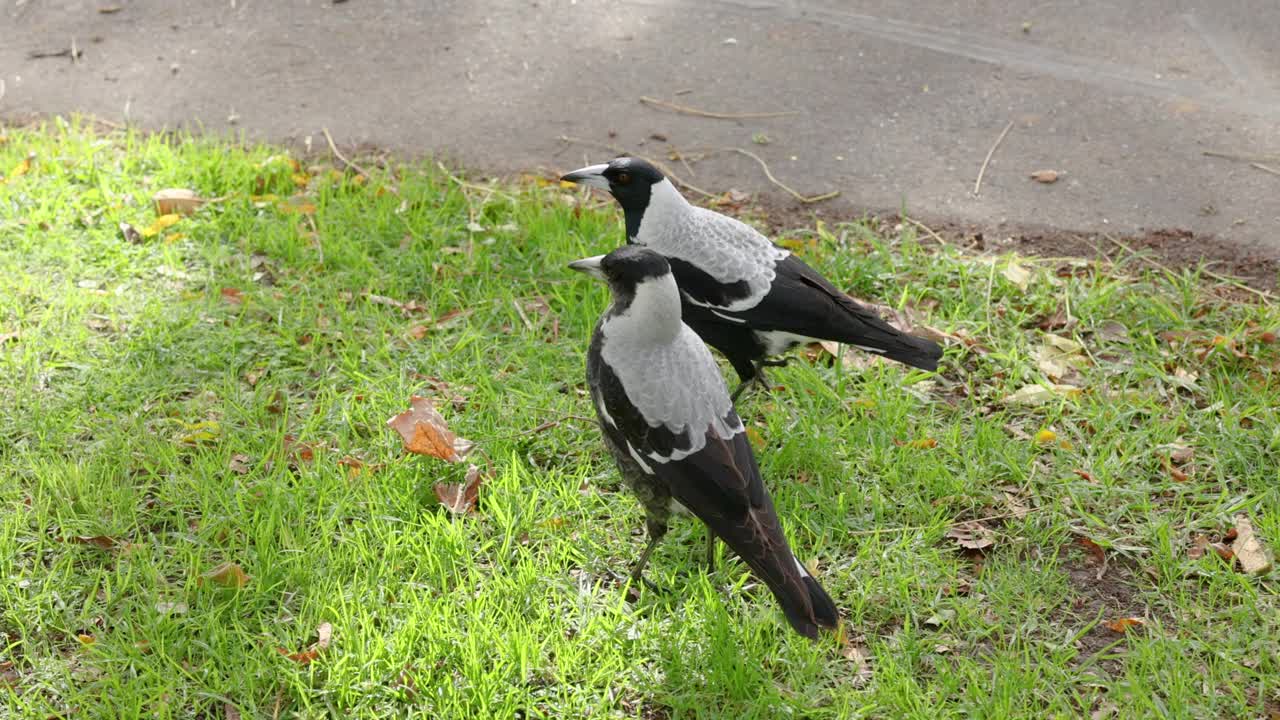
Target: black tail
810,609
885,340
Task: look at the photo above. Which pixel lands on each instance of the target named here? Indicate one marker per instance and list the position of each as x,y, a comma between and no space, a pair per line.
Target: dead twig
916,528
338,154
661,166
1241,157
807,199
928,230
714,115
977,185
1265,296
1264,168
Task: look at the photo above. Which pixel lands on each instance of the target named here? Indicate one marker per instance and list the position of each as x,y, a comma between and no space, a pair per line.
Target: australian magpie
745,296
668,421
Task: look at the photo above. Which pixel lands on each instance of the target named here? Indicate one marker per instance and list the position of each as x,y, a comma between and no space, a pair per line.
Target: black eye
624,178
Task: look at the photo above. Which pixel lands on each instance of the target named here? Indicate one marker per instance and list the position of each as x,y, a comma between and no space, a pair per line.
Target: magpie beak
591,176
591,265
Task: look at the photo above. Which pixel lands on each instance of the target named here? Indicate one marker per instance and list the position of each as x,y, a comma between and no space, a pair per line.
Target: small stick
802,198
337,153
927,229
977,185
75,52
714,115
520,312
1264,168
880,531
1242,157
1263,294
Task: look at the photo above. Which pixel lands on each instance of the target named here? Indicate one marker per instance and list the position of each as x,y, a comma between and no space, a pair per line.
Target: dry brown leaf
232,295
1175,473
417,332
1094,549
1125,624
461,498
300,452
918,444
424,432
102,542
324,634
1040,394
1179,454
227,574
1045,176
176,201
253,376
971,535
1017,273
1252,554
1199,544
130,233
239,464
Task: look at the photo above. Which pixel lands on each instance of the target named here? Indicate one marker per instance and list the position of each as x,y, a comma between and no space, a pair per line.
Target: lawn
1036,531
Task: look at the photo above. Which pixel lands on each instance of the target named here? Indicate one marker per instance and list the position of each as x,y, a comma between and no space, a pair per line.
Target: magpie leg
656,531
711,550
777,362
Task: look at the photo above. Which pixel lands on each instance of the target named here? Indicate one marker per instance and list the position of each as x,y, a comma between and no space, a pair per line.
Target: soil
1171,247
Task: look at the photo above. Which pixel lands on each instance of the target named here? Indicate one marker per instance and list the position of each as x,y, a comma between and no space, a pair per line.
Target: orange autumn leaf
424,432
1094,549
227,574
1124,624
232,295
324,635
918,444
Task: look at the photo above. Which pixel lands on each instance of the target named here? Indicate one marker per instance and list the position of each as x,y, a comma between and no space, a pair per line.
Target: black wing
803,302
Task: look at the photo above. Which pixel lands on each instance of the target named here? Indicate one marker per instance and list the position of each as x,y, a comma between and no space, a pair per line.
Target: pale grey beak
591,176
590,266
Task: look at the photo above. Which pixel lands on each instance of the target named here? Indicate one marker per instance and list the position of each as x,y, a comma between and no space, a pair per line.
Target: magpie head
646,301
629,180
625,268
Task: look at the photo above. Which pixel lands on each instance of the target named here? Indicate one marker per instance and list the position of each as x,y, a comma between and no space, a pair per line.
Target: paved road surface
896,103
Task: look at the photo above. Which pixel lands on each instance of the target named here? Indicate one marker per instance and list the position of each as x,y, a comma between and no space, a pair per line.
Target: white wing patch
647,371
726,249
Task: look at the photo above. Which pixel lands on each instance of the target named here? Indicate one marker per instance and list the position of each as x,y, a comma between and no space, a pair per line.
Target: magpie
669,424
744,295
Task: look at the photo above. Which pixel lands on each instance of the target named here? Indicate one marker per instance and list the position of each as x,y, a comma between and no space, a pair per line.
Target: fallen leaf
176,201
1045,176
1175,473
86,639
1057,357
227,574
253,376
919,444
355,466
940,618
1094,549
20,169
229,711
159,225
1124,624
1088,477
755,438
1183,379
102,542
1179,454
205,431
324,634
130,233
1199,544
1252,554
1046,436
1016,273
1040,394
855,654
424,432
461,498
417,332
1112,331
232,295
971,535
299,452
171,608
239,464
1014,503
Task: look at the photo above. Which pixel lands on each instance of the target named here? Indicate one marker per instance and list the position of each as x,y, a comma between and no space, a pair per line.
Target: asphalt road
895,104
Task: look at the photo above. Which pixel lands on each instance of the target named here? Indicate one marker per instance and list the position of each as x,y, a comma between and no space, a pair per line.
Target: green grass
122,349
